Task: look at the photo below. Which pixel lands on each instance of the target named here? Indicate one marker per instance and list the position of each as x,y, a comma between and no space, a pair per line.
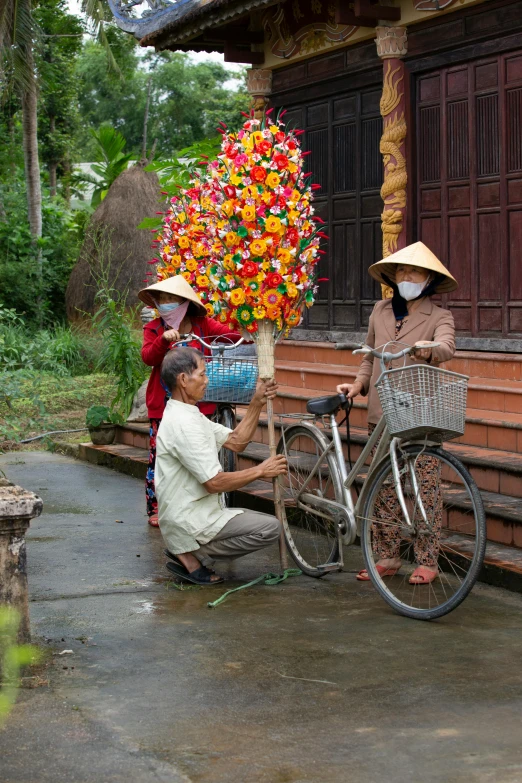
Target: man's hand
274,466
265,390
350,390
171,336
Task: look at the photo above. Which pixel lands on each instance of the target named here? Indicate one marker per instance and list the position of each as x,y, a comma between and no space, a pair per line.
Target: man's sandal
176,559
201,576
423,575
363,576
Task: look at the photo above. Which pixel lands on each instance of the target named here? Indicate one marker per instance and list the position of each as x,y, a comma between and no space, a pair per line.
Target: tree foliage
187,98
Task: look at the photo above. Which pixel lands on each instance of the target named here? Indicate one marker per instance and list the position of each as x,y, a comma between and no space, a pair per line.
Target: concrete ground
306,681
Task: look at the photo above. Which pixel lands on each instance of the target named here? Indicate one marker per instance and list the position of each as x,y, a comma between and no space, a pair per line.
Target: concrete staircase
491,446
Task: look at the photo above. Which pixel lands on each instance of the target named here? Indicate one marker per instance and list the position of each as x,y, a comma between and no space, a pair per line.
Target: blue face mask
164,309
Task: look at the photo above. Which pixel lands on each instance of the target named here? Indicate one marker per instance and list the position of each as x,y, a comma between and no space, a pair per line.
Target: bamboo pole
266,360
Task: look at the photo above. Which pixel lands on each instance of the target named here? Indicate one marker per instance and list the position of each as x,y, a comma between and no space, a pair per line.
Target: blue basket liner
231,380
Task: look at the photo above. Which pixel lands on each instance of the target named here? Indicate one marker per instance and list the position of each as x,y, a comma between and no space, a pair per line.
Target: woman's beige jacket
427,322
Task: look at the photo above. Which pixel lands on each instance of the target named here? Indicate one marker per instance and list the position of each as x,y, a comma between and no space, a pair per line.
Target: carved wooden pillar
391,48
259,85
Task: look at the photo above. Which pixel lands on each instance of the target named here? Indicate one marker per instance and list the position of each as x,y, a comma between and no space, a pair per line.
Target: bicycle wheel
451,535
312,539
227,458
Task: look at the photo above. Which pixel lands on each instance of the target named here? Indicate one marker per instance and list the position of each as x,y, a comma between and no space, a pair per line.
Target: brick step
499,366
503,512
503,563
494,470
492,429
483,393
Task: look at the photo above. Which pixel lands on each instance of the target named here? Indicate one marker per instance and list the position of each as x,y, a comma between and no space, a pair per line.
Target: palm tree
110,143
17,72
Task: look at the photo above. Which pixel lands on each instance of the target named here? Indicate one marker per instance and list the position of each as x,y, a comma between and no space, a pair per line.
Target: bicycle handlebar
387,356
222,346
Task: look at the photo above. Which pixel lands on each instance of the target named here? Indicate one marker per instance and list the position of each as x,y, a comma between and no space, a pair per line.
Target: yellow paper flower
272,224
192,265
182,217
291,290
272,180
210,310
284,256
184,242
273,129
237,296
293,318
292,216
258,247
271,298
228,262
235,179
292,168
202,281
228,208
248,213
175,261
259,312
232,239
187,276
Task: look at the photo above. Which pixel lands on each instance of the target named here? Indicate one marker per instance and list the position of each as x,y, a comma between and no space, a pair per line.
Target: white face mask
411,291
164,309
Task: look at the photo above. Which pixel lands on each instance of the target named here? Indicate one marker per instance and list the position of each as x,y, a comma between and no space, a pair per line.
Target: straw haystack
113,242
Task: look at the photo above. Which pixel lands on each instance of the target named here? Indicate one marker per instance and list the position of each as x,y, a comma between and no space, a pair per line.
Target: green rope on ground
266,579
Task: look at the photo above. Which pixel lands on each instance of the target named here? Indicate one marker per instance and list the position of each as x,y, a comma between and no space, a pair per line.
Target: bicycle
232,381
391,479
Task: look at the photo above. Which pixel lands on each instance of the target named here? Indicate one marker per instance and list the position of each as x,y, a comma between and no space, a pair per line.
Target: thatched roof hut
113,245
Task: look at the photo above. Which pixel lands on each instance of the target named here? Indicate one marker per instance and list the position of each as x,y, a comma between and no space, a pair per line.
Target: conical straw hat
172,285
415,255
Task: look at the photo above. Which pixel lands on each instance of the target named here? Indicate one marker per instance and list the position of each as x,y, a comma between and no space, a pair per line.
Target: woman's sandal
363,576
201,576
154,521
423,575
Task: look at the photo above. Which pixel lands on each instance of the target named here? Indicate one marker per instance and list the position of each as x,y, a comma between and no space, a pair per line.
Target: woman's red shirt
155,347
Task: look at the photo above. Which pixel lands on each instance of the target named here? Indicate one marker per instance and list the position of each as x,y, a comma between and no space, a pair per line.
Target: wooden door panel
469,188
343,133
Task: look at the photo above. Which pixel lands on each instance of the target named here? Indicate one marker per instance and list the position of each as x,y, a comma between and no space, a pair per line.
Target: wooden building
413,115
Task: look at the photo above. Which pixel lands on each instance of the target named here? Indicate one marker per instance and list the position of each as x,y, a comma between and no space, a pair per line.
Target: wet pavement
309,680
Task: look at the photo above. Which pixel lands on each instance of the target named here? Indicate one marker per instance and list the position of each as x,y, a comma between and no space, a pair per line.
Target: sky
75,8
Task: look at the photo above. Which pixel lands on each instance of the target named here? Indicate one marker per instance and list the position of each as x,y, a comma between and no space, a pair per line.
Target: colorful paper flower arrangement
244,235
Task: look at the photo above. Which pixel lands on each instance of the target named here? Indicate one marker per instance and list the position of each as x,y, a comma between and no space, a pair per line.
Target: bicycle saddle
322,406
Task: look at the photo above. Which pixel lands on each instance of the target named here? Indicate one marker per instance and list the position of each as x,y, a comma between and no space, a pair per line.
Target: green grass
44,402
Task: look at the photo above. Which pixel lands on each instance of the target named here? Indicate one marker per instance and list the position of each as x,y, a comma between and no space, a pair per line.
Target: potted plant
101,423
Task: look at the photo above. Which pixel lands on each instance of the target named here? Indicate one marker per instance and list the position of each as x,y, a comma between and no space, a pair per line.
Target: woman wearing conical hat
414,274
181,311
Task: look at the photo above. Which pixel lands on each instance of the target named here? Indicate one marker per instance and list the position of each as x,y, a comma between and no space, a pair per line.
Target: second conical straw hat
415,255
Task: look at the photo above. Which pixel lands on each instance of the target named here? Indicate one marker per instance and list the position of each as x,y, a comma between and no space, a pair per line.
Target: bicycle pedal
329,567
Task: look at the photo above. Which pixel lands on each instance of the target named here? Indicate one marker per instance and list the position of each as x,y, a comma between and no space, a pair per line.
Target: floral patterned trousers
150,492
386,538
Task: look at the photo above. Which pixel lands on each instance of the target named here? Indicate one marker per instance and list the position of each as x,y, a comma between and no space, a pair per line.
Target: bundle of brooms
245,237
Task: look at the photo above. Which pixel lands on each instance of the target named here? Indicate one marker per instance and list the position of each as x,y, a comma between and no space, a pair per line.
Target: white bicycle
404,490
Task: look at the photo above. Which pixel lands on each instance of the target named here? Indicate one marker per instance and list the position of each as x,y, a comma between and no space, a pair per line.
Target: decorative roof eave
176,22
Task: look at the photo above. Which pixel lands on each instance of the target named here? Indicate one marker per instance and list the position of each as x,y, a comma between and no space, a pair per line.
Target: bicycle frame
349,513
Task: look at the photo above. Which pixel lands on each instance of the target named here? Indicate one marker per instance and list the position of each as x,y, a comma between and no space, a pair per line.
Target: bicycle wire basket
231,377
419,401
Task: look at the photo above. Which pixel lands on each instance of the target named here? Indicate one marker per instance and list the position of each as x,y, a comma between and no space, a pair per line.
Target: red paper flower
258,173
250,269
264,146
273,280
230,191
281,161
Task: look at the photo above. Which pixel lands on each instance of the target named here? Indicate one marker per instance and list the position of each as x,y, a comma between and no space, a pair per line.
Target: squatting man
189,477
